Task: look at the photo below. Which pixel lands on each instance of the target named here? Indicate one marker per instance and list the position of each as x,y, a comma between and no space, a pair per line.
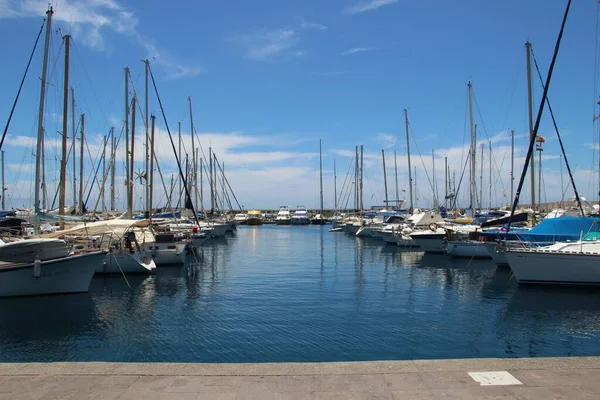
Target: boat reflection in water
542,312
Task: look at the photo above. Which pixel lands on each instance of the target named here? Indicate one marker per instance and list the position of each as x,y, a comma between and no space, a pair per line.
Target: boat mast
82,127
512,165
356,182
410,179
127,187
179,136
416,193
201,186
73,147
104,173
396,177
435,197
130,182
148,154
112,168
194,183
334,186
362,205
321,175
40,138
445,178
481,181
151,171
210,181
490,174
384,177
530,112
473,144
63,160
3,187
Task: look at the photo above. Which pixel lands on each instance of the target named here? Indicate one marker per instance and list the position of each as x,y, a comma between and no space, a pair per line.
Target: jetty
516,378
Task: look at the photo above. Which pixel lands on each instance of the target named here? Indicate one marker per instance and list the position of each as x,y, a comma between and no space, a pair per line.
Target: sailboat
319,219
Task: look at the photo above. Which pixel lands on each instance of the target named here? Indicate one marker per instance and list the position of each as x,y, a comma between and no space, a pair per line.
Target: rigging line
227,181
74,45
111,165
421,157
96,180
183,178
342,190
562,148
12,110
538,120
519,68
596,64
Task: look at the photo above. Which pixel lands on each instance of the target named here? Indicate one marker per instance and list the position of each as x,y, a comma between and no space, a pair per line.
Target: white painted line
494,378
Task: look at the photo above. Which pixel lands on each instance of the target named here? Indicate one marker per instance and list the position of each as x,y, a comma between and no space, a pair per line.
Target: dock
487,378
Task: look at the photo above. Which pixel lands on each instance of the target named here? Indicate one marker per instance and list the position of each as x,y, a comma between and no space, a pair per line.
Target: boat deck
539,378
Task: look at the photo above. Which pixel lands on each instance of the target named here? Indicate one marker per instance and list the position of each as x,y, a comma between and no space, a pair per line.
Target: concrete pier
537,378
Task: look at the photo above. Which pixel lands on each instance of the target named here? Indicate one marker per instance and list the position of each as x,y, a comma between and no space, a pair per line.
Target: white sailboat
45,266
574,263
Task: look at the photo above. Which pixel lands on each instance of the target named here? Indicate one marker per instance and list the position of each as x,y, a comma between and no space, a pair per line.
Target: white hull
430,242
114,263
546,267
351,228
406,241
216,230
387,236
496,251
467,249
366,231
165,253
71,274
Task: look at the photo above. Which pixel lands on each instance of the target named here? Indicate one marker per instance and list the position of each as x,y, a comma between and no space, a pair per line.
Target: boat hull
116,263
467,249
300,221
541,267
286,221
434,243
71,274
254,221
496,251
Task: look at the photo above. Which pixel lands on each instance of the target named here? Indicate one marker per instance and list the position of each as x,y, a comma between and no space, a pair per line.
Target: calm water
304,294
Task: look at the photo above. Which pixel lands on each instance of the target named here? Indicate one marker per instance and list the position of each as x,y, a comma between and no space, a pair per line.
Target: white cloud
88,20
387,140
369,5
358,50
270,44
306,25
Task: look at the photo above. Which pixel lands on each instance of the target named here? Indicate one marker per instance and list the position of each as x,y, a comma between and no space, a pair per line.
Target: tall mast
73,147
356,183
210,181
179,136
396,176
362,205
151,171
384,177
416,193
40,138
201,186
43,185
3,187
530,109
130,182
194,164
435,197
481,180
334,186
473,143
512,165
104,173
445,178
112,168
490,174
82,126
127,186
410,179
63,160
321,175
147,153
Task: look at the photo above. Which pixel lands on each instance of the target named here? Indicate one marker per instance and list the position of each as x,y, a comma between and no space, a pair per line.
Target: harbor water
300,294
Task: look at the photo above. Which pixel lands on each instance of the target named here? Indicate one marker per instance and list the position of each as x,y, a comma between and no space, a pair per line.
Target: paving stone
413,394
404,381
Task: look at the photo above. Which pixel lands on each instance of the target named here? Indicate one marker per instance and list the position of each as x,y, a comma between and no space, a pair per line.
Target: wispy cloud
306,25
358,50
386,140
369,5
89,20
271,44
331,73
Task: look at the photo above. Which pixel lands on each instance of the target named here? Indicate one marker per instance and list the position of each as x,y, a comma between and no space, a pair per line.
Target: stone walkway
541,378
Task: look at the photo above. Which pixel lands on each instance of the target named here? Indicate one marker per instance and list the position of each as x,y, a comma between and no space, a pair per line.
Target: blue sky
270,78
